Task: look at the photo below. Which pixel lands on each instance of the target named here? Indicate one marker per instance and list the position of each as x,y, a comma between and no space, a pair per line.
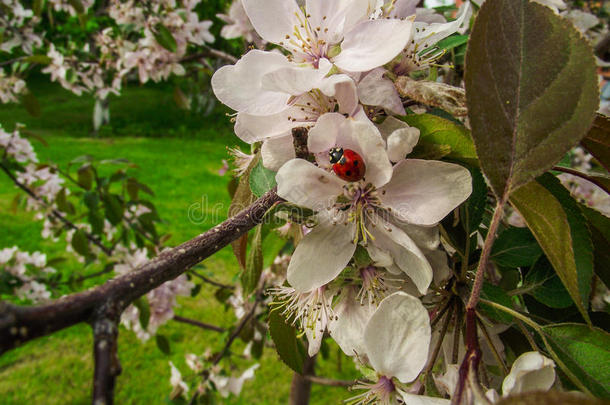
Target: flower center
358,200
304,40
375,286
382,392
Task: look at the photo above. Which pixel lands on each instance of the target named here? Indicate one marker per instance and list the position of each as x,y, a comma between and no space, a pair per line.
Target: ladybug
347,164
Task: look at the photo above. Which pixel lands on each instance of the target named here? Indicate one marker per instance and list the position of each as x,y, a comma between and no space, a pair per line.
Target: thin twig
92,238
329,381
584,176
210,52
212,282
199,324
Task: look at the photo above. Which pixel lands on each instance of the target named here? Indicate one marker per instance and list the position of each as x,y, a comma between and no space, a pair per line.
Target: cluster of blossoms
26,273
17,25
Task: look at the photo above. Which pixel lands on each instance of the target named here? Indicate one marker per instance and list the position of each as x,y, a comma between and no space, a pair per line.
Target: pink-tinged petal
413,399
382,258
376,90
239,86
323,135
401,142
336,17
425,237
405,253
302,183
254,128
364,138
530,372
422,192
273,19
351,318
322,254
343,89
373,43
404,8
277,151
397,337
295,80
430,34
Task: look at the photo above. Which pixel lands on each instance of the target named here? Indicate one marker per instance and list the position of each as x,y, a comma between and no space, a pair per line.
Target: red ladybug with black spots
347,164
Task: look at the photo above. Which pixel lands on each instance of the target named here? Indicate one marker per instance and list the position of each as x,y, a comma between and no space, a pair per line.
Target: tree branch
329,381
210,52
107,365
20,324
212,282
201,325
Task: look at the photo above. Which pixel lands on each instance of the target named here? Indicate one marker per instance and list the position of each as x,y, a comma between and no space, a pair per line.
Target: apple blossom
238,25
232,385
375,212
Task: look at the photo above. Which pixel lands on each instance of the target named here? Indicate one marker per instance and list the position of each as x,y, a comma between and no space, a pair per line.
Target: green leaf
85,176
599,225
528,105
96,219
37,8
542,283
39,59
113,208
285,339
77,5
475,205
165,38
80,243
261,179
30,102
583,352
515,247
557,223
452,42
163,344
62,202
254,262
144,311
439,131
597,141
498,295
549,398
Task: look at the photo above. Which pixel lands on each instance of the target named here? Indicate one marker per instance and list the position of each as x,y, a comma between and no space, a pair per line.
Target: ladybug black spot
348,173
355,163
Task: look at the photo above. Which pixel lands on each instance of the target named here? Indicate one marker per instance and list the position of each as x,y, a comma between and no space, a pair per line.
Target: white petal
240,86
430,34
373,43
530,372
302,183
323,135
425,237
376,90
347,329
412,399
423,192
397,337
364,138
277,151
295,80
381,258
254,128
401,142
322,254
441,270
342,88
273,19
448,381
407,256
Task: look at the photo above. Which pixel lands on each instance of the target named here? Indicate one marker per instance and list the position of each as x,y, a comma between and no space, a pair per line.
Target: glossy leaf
597,141
585,352
165,38
439,131
557,223
531,90
286,343
261,179
515,247
452,42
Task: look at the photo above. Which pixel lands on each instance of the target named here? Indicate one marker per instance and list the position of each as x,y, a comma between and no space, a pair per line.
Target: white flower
316,31
238,25
396,342
232,385
179,387
373,212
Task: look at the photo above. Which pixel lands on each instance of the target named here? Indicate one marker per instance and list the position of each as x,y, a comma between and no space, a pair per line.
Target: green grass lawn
178,155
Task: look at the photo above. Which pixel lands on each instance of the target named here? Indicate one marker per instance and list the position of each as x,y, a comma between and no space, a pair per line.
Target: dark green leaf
560,228
496,294
285,339
475,205
96,219
165,38
261,179
85,176
515,247
163,344
144,311
599,225
113,208
439,131
584,353
254,262
527,105
91,200
37,8
452,42
597,141
542,283
80,243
